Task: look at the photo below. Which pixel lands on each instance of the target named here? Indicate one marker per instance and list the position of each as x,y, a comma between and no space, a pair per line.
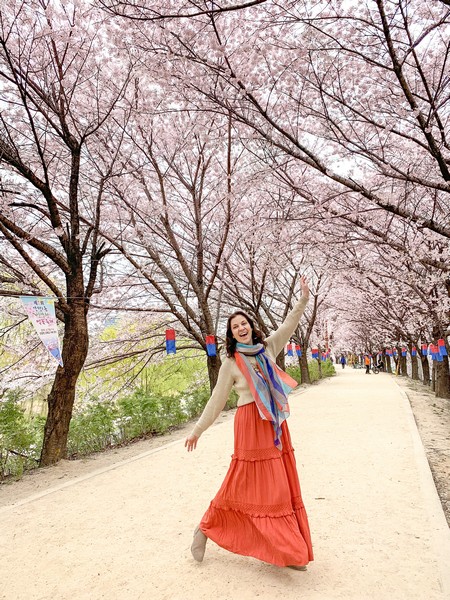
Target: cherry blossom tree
362,112
160,11
394,301
370,114
193,155
173,216
60,96
262,276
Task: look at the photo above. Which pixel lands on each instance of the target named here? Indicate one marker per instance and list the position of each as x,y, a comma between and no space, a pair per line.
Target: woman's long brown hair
257,335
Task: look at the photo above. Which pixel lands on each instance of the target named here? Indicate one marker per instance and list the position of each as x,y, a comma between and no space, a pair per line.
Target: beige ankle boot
199,545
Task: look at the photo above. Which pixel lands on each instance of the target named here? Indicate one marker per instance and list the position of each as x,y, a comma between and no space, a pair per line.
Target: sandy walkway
124,531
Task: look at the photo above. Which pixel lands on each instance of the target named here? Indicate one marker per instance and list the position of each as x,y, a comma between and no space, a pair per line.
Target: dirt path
121,529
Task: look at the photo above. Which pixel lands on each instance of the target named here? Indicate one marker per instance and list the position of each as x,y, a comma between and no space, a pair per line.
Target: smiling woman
241,328
258,510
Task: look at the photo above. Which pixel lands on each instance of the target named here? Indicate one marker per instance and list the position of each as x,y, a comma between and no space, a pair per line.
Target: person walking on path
258,511
343,361
367,364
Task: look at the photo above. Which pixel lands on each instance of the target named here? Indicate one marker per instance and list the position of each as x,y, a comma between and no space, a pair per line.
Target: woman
258,510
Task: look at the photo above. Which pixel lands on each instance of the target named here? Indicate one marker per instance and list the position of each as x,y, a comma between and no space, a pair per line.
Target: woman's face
241,330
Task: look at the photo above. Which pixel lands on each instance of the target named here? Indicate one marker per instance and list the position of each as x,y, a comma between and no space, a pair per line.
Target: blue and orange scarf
269,386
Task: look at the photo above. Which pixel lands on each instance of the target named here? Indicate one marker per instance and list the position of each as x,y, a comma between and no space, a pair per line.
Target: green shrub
193,401
327,368
295,373
313,367
92,428
19,447
148,410
232,400
98,425
144,413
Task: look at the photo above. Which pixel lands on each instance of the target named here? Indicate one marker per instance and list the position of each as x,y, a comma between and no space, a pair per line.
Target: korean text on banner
41,312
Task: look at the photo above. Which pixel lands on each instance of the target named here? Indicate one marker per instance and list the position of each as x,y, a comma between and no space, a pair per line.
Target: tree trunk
62,395
388,364
425,369
414,364
414,368
442,384
213,363
397,364
281,360
433,376
403,371
303,361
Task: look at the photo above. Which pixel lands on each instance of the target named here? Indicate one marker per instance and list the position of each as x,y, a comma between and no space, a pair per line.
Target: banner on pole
41,312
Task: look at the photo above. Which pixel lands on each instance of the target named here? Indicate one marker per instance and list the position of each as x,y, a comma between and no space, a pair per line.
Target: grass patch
327,369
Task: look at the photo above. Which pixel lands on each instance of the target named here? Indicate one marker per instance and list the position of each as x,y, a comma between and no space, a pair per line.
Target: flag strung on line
434,352
211,348
441,347
315,352
290,352
171,341
298,350
41,312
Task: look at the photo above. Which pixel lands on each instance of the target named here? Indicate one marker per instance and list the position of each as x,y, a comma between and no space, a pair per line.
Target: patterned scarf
268,384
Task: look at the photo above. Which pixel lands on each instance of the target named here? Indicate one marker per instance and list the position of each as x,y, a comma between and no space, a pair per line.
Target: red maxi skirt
258,510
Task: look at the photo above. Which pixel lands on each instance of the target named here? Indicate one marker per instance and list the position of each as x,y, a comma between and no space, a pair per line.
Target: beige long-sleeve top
230,375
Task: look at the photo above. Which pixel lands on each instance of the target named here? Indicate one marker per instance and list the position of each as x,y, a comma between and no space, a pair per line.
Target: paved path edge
91,474
439,527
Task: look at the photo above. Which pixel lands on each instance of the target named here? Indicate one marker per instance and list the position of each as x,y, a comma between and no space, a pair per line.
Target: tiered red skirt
258,510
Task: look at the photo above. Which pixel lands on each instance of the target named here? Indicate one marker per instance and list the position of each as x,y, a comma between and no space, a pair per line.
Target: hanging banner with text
41,312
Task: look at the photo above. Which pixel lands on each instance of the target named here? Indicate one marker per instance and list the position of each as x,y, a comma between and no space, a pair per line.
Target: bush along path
98,424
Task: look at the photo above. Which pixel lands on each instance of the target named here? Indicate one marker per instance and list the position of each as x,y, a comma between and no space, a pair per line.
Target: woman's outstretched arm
214,406
277,340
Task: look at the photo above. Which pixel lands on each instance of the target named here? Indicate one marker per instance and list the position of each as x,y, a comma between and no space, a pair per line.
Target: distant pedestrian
343,361
367,363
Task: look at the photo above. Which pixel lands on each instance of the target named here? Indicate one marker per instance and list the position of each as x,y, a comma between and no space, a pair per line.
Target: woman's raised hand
191,442
304,286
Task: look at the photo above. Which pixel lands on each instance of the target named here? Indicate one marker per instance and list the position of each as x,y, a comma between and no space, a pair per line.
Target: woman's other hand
191,442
